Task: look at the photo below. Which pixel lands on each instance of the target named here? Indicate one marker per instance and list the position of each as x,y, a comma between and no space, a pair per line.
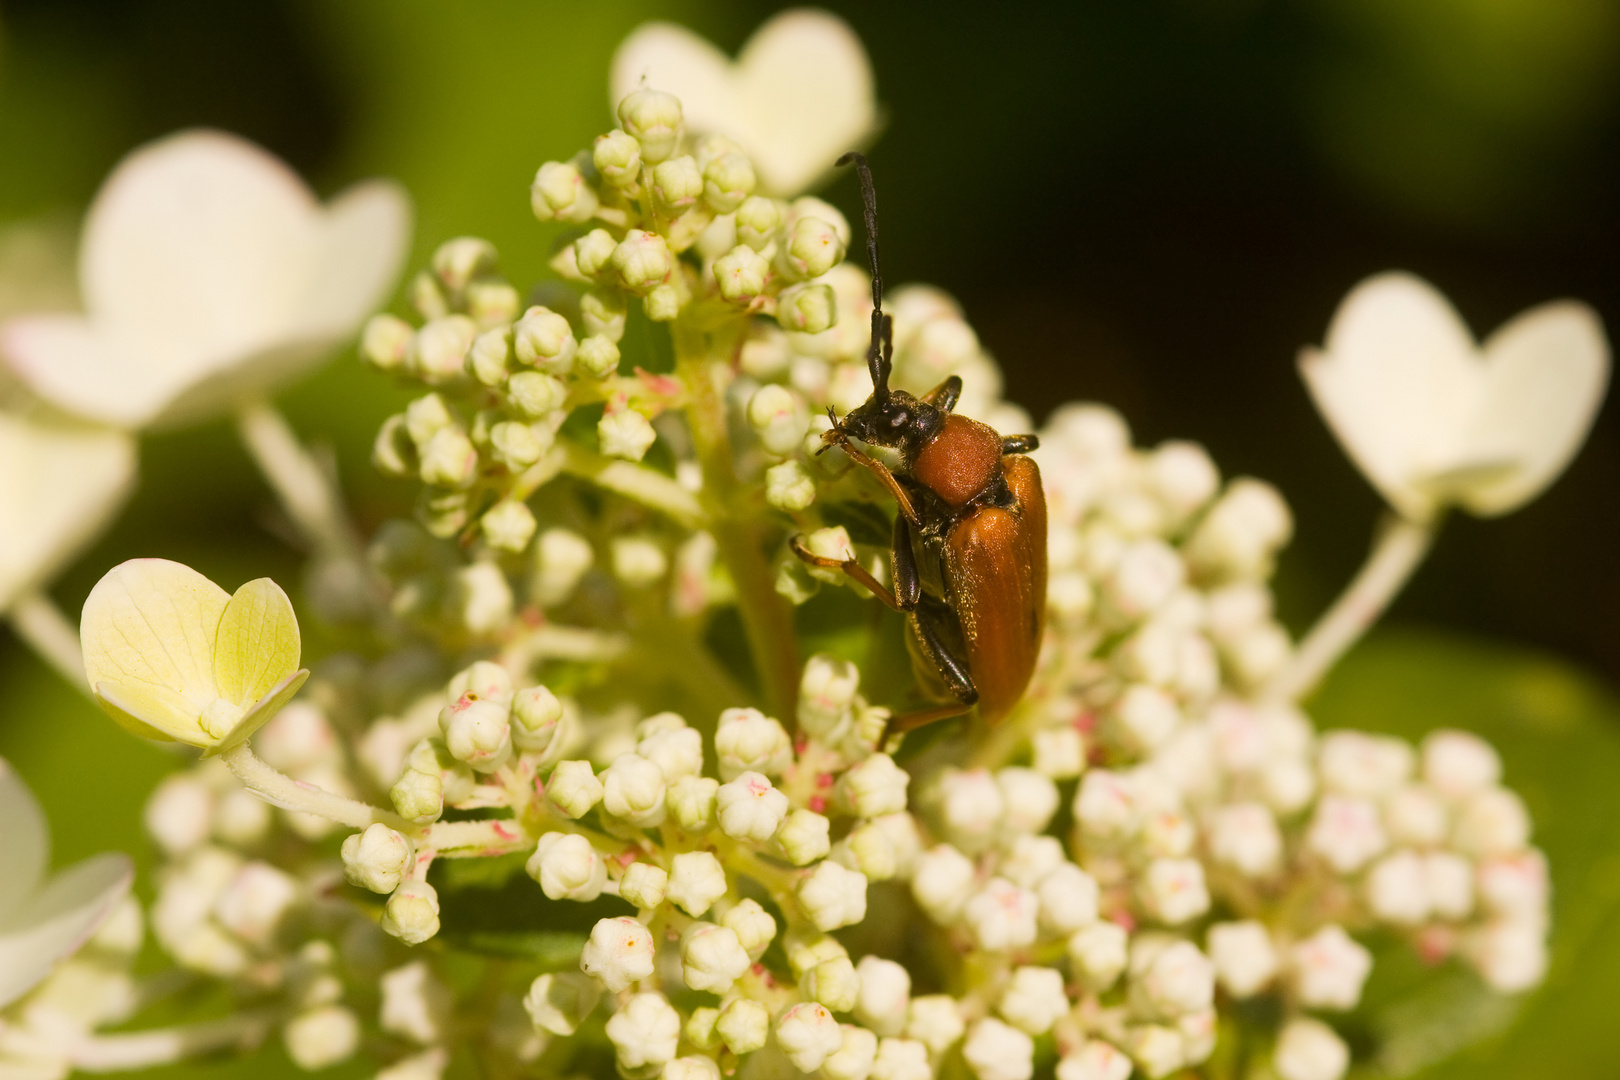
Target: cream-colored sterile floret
744,1026
885,992
746,740
832,896
803,837
1245,959
789,487
996,1051
752,924
624,433
1033,999
712,957
633,791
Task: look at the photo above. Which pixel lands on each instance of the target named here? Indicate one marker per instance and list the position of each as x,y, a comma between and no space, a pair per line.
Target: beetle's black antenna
880,354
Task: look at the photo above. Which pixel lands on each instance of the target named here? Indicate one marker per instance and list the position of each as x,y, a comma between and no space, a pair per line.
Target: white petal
1396,381
799,95
59,486
365,235
198,249
58,920
24,845
67,362
1546,374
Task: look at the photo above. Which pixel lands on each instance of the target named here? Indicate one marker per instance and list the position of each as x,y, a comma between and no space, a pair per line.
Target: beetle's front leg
834,437
854,569
1019,444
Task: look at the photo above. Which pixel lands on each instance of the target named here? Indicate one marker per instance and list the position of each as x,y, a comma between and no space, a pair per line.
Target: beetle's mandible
968,558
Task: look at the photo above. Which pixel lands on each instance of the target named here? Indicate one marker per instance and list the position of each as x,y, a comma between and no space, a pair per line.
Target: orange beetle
969,549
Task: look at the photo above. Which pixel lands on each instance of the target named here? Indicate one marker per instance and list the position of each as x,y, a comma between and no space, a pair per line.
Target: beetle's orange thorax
959,461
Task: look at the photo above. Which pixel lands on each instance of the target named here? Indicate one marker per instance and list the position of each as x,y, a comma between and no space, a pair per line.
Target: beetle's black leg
952,672
1019,444
903,563
944,396
851,567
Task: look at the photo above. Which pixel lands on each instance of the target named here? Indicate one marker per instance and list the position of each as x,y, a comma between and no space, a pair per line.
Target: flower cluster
576,730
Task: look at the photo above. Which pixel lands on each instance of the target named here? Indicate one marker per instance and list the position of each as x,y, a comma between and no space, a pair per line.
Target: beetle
968,552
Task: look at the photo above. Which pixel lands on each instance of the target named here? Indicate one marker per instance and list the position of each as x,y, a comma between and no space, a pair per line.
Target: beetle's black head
891,418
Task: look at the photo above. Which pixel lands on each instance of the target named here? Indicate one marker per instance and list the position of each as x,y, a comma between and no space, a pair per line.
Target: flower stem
305,491
279,789
162,1046
38,621
1399,547
767,618
646,486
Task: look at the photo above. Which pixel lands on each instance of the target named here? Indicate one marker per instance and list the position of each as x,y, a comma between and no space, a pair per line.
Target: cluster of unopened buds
1154,835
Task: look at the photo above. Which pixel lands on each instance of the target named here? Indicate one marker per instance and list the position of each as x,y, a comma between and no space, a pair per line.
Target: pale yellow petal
257,646
262,710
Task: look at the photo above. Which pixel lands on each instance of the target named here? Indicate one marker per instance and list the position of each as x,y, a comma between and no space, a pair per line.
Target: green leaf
1558,731
552,950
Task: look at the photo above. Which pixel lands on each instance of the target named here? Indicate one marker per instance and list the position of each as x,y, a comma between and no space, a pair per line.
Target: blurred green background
1152,203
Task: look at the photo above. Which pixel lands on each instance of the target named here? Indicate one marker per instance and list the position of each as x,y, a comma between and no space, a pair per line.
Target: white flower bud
439,350
677,751
559,193
758,218
449,459
535,394
696,881
179,814
321,1037
663,302
1308,1049
885,993
1458,763
854,1059
728,180
1416,815
778,417
415,1005
489,357
1515,885
418,796
1107,805
808,1034
1179,979
711,957
253,903
1510,954
807,309
476,731
811,248
750,808
1288,786
691,1068
619,952
740,275
753,925
826,691
573,788
617,157
746,740
1033,999
633,790
1095,1060
535,715
1242,531
1158,1049
1328,969
934,1021
242,818
1029,799
597,357
1059,752
829,543
832,896
996,1051
1002,916
1244,836
1147,574
1346,832
1448,880
788,487
970,807
564,557
544,339
1068,897
802,837
1492,821
480,598
1397,889
1028,859
692,802
492,302
1097,954
1173,890
942,882
558,1003
625,433
1144,717
834,984
508,525
653,119
744,1026
1245,959
567,867
1362,765
392,453
385,342
645,1032
642,261
412,913
459,260
376,858
872,788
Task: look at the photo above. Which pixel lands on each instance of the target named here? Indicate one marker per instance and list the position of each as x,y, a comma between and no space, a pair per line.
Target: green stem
767,617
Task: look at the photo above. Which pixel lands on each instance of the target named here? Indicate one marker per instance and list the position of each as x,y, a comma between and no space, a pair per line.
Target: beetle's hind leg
1019,444
902,562
930,626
